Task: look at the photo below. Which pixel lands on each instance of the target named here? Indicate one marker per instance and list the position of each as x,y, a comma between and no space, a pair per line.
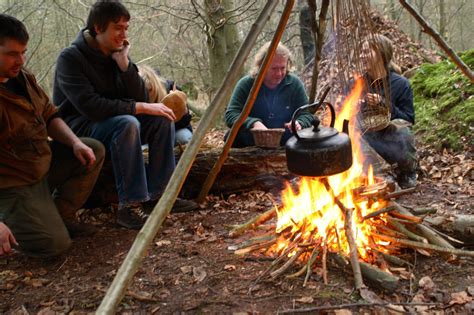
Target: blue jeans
123,137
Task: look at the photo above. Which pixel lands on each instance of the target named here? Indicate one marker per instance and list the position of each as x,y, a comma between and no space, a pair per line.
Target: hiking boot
180,205
183,205
131,217
79,229
407,180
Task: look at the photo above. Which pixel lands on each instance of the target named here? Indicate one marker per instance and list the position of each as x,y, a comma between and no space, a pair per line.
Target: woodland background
194,41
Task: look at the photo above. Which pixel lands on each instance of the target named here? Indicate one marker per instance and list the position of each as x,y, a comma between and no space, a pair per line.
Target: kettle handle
316,119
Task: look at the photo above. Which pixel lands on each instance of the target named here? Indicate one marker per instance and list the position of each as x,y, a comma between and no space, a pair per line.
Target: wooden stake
249,103
353,253
324,261
143,239
309,265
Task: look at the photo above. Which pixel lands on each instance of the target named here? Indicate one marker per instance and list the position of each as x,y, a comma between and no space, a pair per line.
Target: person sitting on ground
279,96
158,88
30,167
396,142
101,95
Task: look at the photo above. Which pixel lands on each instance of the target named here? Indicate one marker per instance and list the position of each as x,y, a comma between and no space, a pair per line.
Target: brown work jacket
25,154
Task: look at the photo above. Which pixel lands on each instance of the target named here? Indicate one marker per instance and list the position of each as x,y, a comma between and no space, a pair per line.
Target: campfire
350,216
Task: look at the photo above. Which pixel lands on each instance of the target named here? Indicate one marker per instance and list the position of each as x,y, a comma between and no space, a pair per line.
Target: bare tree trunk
305,33
442,19
222,40
319,30
391,9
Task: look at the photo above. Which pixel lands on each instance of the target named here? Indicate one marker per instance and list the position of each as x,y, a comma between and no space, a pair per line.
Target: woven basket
374,118
267,138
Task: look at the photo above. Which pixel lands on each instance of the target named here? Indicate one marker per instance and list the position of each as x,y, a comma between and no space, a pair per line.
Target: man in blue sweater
101,95
279,96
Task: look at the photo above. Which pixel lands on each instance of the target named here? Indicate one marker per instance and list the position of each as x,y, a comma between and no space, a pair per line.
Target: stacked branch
395,229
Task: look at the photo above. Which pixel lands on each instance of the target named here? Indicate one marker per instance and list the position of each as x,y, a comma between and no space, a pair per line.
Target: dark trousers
35,213
396,144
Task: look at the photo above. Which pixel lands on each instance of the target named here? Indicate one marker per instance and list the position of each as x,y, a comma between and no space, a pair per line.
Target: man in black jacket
101,95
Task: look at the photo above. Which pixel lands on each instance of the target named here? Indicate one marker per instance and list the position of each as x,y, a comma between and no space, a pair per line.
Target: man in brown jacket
41,185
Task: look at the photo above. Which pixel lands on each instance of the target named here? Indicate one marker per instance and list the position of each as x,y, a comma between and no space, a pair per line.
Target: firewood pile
369,234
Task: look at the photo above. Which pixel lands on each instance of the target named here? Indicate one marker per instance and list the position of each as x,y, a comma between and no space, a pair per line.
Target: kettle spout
345,126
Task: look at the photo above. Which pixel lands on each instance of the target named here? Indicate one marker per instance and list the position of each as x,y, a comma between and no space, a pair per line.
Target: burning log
252,223
378,212
347,213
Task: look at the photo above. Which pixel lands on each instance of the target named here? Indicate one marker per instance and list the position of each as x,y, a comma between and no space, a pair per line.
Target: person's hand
6,240
121,57
83,153
297,126
373,99
258,125
155,109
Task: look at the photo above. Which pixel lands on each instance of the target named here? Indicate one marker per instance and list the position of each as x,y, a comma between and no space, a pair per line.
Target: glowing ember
311,215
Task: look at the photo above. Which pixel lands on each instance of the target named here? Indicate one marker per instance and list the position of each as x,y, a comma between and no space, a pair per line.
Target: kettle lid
317,133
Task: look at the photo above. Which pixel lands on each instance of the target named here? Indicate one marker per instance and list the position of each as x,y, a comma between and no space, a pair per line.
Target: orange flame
310,214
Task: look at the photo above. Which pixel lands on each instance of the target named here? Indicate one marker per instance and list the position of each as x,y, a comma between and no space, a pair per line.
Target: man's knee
126,124
97,147
47,245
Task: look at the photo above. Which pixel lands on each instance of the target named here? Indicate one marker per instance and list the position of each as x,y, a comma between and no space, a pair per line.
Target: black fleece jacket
89,86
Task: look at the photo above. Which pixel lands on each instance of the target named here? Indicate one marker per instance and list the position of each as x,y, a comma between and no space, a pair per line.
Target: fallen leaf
187,269
370,296
470,290
460,298
163,243
199,274
229,267
46,311
49,303
305,299
395,309
426,283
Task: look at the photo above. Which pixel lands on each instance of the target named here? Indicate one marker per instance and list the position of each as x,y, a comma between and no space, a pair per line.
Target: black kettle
318,150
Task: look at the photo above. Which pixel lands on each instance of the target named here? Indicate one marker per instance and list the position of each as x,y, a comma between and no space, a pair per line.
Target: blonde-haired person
279,96
158,88
395,143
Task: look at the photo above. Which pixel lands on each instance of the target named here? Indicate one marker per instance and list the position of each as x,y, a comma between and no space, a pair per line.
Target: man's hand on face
6,240
83,153
121,57
258,125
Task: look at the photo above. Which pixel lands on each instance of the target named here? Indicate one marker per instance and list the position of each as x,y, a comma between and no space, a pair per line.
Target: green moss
444,104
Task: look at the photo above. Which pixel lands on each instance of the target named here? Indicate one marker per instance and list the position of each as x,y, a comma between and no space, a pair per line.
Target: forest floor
189,269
